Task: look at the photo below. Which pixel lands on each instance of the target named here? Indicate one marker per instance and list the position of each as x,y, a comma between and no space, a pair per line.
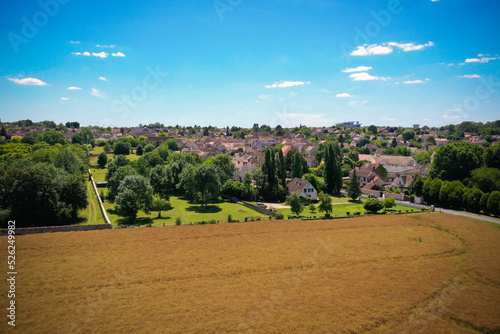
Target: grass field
341,210
189,213
420,273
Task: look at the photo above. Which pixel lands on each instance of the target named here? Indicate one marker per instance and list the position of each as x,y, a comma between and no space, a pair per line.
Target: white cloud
389,119
100,54
106,46
97,93
373,49
74,42
412,82
103,79
265,97
452,116
285,84
386,48
118,54
28,81
455,110
74,88
357,69
357,103
64,99
76,53
364,76
427,119
343,95
434,0
326,91
469,76
480,60
410,46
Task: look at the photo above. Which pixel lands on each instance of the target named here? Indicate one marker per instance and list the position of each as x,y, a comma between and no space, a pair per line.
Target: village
411,149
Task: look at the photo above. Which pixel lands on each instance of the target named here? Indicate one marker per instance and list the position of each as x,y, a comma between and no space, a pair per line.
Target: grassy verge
342,209
92,214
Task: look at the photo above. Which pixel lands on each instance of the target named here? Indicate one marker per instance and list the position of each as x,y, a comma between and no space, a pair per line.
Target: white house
302,188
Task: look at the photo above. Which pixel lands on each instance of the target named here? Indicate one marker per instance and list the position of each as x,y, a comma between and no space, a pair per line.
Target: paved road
457,213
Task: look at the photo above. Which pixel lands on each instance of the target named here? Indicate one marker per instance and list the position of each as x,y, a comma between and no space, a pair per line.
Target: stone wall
258,209
53,229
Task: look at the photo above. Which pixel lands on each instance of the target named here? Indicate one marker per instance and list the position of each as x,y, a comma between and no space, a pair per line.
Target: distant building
352,124
302,188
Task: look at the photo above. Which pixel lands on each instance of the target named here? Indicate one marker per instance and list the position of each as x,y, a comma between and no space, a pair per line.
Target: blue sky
239,62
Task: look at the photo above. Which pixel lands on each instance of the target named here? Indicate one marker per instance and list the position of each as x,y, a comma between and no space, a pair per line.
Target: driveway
454,212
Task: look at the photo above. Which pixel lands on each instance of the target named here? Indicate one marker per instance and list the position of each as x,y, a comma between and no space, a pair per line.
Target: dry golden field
421,273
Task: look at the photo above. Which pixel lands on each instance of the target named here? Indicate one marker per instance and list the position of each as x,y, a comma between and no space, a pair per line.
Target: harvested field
427,273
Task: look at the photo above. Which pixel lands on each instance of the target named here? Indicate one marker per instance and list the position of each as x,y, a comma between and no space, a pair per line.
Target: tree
483,203
54,137
493,203
423,158
372,129
74,193
333,170
121,147
69,160
207,183
312,208
325,204
408,135
139,150
102,160
455,161
295,205
296,165
173,145
31,194
107,148
128,205
418,186
389,202
224,165
141,189
491,156
115,179
474,200
373,205
353,189
162,185
485,178
160,204
431,190
234,189
149,148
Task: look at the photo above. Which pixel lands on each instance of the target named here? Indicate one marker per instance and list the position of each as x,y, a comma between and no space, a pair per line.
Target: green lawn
189,213
92,214
99,174
341,210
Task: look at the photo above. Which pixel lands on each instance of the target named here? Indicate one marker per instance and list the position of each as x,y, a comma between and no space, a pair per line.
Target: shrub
212,221
373,205
229,218
257,219
178,221
348,213
279,215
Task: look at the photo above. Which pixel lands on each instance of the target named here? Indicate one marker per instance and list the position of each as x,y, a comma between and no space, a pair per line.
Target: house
302,188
